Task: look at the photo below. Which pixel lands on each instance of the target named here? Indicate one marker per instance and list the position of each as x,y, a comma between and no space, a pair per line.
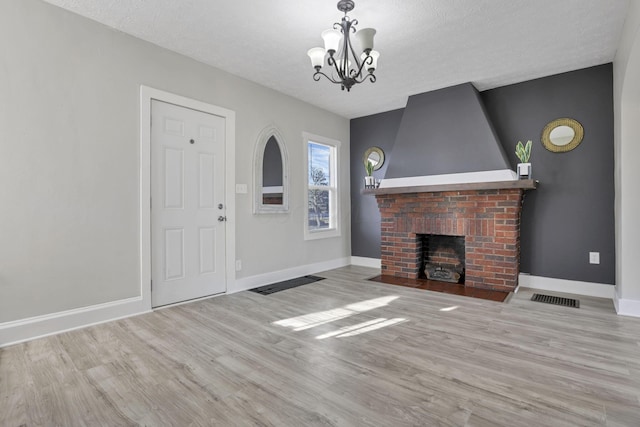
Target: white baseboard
627,307
18,331
366,262
590,289
246,283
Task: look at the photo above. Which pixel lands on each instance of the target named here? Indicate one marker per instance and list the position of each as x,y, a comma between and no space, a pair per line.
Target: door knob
220,206
222,218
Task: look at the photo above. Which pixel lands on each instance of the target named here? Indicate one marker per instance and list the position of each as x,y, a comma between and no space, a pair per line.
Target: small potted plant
368,180
524,154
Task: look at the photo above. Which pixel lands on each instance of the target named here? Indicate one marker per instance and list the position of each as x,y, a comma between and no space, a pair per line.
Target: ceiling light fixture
347,65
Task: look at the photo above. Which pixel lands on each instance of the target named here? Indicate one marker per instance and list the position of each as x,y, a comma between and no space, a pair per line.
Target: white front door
187,211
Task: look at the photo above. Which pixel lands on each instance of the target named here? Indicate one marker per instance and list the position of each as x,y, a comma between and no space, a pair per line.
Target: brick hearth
488,219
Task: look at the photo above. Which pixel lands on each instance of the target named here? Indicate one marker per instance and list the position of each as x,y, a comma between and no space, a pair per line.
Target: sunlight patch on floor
453,307
361,328
311,320
370,304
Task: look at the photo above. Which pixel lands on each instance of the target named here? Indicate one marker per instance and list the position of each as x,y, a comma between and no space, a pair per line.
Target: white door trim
146,95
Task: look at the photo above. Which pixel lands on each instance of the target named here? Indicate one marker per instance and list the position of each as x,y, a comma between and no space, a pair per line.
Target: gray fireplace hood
445,136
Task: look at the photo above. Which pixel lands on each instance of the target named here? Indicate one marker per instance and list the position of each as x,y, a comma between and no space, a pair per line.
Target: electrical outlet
238,264
594,257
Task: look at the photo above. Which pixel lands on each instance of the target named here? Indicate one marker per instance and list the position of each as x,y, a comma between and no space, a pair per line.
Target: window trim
334,196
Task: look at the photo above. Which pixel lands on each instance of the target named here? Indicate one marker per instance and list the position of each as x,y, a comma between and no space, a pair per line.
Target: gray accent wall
572,211
445,131
378,130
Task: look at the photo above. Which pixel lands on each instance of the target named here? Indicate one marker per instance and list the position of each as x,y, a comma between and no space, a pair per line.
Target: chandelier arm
317,74
351,28
338,26
371,77
367,60
358,64
332,61
344,65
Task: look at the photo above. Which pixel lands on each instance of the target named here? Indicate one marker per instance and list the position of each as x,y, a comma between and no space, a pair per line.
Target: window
321,219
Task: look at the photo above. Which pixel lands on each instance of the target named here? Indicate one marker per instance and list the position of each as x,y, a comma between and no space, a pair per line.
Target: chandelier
347,68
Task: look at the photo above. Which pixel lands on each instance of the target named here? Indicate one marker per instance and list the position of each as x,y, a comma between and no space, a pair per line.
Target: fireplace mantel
523,184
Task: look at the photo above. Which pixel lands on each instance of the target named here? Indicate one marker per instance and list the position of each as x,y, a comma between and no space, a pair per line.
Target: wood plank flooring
343,351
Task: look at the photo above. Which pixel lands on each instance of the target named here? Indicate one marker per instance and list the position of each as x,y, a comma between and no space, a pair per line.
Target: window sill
321,234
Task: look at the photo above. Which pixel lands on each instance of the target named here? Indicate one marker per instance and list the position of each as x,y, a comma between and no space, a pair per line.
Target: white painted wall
627,152
69,160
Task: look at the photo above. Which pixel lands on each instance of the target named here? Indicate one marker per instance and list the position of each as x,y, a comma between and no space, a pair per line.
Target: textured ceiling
423,44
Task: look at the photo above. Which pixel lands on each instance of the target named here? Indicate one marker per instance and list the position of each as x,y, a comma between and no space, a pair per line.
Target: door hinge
152,285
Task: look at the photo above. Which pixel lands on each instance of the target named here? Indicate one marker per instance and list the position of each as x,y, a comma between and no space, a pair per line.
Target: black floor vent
287,284
566,302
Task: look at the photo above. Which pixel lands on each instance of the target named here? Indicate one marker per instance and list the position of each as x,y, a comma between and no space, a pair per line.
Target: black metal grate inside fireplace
443,258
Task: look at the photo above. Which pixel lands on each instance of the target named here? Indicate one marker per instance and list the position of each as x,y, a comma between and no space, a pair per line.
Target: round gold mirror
374,155
562,135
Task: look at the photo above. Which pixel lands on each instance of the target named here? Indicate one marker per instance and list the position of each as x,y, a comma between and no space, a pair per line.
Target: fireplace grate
549,299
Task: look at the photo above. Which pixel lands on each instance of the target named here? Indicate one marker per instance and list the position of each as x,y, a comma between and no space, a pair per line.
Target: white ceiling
423,44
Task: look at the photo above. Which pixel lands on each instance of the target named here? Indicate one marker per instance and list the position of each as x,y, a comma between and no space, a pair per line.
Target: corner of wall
626,307
366,262
627,205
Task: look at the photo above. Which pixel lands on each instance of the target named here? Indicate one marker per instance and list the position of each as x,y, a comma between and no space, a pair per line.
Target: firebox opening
442,258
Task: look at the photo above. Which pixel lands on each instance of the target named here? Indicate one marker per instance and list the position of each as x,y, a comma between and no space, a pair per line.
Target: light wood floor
342,351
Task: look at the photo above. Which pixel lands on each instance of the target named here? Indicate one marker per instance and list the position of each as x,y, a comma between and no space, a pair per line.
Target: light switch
241,188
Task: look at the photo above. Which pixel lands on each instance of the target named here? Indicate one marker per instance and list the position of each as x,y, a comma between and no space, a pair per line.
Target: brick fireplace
487,218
